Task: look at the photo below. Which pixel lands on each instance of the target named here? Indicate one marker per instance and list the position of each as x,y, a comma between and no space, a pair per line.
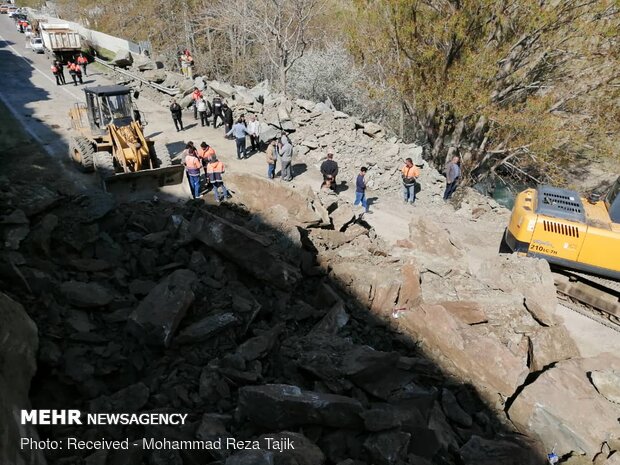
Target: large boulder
280,406
145,64
155,75
223,89
373,130
268,133
158,315
468,351
301,207
564,410
255,256
508,450
86,295
18,349
305,104
123,59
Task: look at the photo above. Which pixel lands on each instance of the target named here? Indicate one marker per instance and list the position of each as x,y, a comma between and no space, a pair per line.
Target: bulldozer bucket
145,180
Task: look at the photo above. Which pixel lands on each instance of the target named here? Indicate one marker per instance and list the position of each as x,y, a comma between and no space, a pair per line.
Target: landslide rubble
284,316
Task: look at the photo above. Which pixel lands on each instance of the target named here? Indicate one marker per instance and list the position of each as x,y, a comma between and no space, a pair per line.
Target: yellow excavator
111,142
579,237
568,230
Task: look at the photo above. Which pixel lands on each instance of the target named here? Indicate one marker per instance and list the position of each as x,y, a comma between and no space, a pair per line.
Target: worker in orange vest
192,167
410,173
75,72
56,73
215,170
83,62
205,153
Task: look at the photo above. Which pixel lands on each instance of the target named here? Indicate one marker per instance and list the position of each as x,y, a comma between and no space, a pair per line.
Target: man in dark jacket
217,110
228,119
177,115
453,173
329,170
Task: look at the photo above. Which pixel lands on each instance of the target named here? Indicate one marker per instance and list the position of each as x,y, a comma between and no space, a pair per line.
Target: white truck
60,41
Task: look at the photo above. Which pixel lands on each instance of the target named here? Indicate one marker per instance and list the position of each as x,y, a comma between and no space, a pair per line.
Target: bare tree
282,28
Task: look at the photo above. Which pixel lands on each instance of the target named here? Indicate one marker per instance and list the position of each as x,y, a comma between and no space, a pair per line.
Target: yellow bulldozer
112,143
568,230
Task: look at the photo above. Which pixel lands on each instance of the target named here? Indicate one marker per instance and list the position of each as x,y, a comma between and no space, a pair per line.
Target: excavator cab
113,143
612,201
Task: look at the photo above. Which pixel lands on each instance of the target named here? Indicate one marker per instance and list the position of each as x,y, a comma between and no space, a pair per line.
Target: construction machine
579,237
112,142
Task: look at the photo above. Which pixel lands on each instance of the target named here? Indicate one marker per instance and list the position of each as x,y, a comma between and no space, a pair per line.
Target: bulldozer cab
107,105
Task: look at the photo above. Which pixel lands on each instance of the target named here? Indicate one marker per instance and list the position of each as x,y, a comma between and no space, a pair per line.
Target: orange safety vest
193,165
410,171
196,95
206,154
82,60
215,167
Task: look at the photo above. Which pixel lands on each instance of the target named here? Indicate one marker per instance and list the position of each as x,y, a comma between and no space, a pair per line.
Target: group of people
204,159
76,69
280,151
409,175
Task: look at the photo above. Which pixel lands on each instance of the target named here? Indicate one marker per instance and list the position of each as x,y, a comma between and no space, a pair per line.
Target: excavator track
592,296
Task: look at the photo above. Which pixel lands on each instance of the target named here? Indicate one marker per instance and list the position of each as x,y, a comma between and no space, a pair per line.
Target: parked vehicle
36,44
4,9
60,41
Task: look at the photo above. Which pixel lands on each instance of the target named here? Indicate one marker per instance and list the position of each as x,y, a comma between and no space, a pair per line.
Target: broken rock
387,448
206,328
158,315
280,406
607,383
86,295
564,395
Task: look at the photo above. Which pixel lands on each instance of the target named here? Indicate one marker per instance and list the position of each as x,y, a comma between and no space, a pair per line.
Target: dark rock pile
161,308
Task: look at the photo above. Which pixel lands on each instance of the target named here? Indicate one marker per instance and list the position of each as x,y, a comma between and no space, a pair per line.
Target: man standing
272,156
329,170
206,153
453,173
192,167
56,74
72,72
360,190
217,110
202,111
254,129
239,131
215,170
83,62
61,71
286,158
196,96
228,118
177,115
410,173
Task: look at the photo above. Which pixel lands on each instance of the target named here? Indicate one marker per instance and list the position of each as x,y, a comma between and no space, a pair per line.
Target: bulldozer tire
104,164
82,153
162,155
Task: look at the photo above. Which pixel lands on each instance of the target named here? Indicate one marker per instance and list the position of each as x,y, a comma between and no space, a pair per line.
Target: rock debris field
284,315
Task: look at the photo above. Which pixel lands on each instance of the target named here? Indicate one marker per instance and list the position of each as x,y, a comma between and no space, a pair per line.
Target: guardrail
159,87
